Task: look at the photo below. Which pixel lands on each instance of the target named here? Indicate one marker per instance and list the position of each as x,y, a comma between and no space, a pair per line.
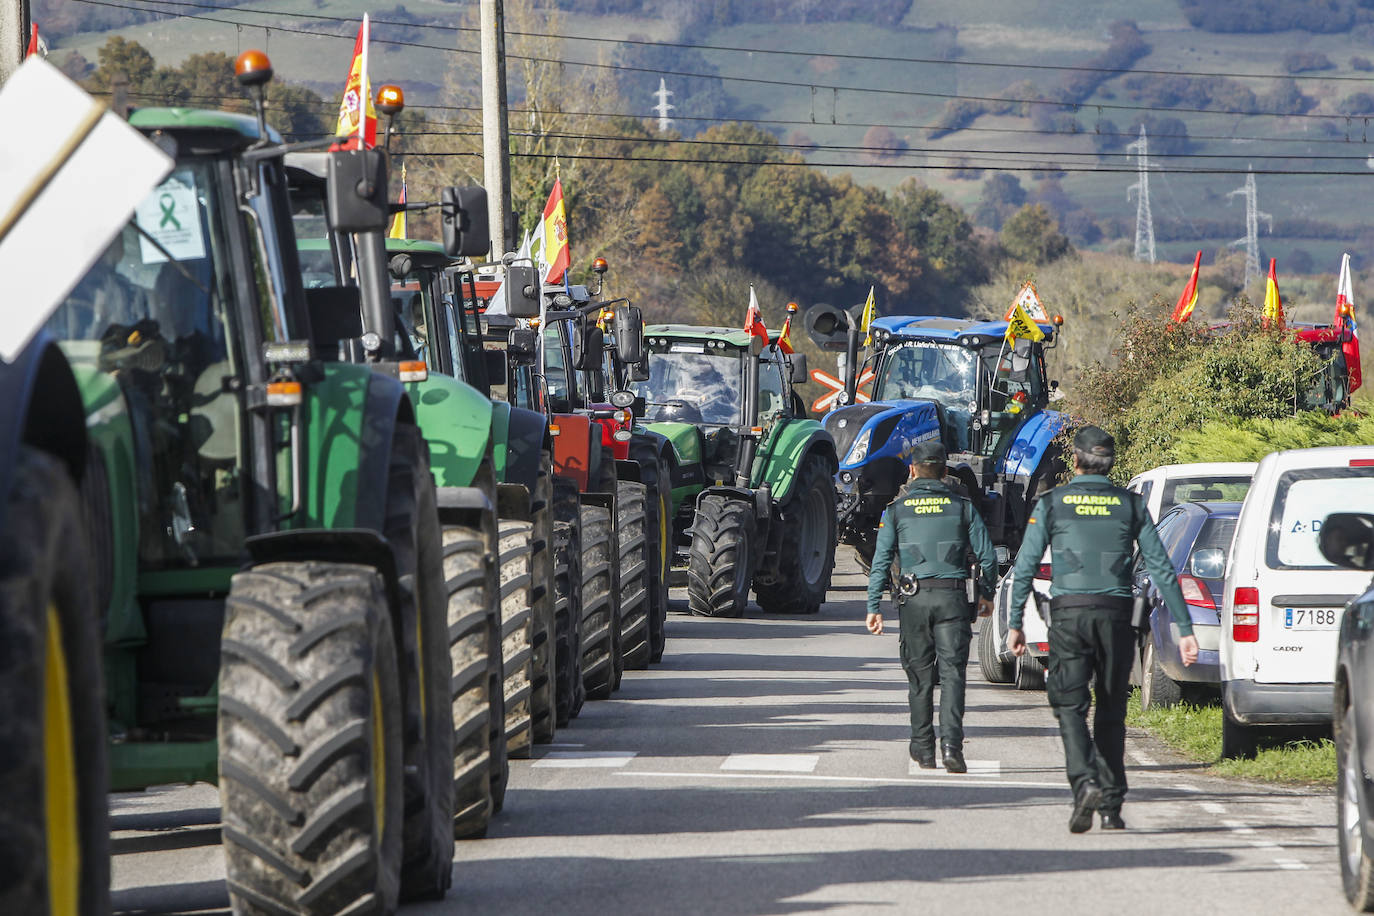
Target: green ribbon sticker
168,205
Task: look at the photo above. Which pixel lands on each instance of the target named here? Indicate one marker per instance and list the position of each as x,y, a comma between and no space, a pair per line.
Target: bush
1305,61
1033,236
1361,63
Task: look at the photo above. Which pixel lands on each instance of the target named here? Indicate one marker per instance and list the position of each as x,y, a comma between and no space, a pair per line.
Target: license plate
1311,618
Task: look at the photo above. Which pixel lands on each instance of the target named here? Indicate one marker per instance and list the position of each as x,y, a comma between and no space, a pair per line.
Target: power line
763,81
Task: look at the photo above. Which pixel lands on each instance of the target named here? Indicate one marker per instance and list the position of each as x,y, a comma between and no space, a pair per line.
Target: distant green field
982,30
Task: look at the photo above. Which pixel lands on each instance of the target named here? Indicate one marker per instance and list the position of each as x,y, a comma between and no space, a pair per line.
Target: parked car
1283,599
1168,485
1198,539
998,665
1347,540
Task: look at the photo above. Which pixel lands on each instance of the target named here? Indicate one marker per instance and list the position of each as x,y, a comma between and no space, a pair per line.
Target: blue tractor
953,379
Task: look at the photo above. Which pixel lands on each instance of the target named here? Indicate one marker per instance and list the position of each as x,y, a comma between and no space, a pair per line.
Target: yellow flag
866,322
398,222
1020,325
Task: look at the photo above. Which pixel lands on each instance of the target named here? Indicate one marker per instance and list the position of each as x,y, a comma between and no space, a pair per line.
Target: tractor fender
1031,444
470,506
526,435
572,449
513,502
625,469
760,500
457,420
40,405
791,443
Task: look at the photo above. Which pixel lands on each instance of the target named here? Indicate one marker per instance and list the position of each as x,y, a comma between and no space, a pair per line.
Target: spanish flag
1184,310
357,114
866,322
557,253
1020,325
785,338
1273,304
398,222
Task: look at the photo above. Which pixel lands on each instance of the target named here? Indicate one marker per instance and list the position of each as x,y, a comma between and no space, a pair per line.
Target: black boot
1085,803
954,759
924,756
1111,820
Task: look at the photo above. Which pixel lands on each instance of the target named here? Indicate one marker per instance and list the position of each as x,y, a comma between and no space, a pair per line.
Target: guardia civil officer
930,529
1091,527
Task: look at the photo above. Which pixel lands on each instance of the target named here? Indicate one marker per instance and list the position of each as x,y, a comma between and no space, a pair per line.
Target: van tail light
1196,592
1245,615
1043,571
1041,646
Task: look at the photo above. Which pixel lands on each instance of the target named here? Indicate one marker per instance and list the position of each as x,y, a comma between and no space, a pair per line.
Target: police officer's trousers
1087,642
936,628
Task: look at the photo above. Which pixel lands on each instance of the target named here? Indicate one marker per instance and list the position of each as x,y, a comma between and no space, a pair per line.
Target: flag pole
363,88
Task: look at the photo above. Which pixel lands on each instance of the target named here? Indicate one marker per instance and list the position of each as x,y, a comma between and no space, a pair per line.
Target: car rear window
1230,489
1302,502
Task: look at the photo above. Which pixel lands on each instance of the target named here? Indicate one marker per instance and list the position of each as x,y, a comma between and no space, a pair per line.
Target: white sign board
61,225
1029,300
171,217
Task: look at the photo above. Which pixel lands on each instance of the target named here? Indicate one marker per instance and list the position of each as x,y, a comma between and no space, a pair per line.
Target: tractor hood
684,439
888,429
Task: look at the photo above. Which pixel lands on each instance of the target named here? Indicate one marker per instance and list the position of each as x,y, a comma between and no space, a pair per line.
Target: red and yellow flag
557,252
785,338
398,222
753,318
357,114
1184,310
1273,303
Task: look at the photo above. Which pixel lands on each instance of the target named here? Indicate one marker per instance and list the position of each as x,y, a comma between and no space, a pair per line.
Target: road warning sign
832,399
1030,301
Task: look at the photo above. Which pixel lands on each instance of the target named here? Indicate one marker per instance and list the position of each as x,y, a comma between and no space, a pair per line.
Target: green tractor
753,498
275,587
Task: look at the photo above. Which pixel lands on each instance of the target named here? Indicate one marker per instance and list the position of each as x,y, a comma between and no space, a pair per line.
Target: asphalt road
762,768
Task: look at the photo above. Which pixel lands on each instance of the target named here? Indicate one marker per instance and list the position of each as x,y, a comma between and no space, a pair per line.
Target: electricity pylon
1253,214
665,123
1144,221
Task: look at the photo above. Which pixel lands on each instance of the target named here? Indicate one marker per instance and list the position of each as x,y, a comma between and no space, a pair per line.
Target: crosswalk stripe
585,759
772,763
988,769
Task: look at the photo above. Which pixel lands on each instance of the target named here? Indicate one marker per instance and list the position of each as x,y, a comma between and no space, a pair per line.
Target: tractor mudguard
336,545
526,435
683,437
457,420
760,500
626,469
513,501
572,448
1031,443
40,405
468,506
592,498
788,445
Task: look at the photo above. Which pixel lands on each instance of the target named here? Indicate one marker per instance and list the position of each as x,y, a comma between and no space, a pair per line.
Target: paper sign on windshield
171,216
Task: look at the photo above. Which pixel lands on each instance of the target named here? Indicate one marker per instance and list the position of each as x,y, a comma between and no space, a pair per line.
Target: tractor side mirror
629,334
828,327
463,216
639,372
798,361
1347,539
522,346
356,192
522,291
589,344
400,266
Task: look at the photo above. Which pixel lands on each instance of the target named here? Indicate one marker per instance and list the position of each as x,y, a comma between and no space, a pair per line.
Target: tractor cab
1339,350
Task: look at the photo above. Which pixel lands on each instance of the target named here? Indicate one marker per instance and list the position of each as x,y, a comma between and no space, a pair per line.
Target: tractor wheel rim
811,546
378,761
1350,808
59,787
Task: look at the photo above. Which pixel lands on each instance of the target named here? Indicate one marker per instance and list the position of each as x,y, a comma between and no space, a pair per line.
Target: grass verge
1195,732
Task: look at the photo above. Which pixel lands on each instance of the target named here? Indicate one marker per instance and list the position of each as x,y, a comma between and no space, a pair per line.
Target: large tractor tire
474,632
721,562
517,635
412,528
599,635
658,508
54,807
807,556
567,590
311,741
635,565
544,663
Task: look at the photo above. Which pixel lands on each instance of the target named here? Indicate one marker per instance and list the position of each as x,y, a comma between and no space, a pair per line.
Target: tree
1032,235
942,234
121,56
1002,194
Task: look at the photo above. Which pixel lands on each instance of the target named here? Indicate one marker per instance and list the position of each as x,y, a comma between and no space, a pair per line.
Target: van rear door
1301,595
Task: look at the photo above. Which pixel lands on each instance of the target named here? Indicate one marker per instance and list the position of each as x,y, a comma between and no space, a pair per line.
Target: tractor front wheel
807,557
720,564
598,603
635,565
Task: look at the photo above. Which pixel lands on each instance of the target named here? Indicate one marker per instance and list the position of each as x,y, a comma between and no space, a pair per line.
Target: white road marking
1290,864
565,744
988,769
1212,807
947,782
585,759
772,763
1143,758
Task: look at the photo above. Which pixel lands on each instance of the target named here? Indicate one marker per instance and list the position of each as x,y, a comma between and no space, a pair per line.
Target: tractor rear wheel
544,674
598,604
310,741
517,634
54,810
635,565
659,525
720,564
807,556
567,582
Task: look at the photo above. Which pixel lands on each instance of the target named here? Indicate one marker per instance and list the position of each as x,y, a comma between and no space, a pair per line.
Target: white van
1170,484
1283,601
998,665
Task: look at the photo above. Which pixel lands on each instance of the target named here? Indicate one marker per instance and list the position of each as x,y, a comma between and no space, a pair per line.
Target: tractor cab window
945,373
411,300
154,314
1015,385
556,372
772,392
688,385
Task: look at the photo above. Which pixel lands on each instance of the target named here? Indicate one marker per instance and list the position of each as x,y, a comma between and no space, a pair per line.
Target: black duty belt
1105,602
949,584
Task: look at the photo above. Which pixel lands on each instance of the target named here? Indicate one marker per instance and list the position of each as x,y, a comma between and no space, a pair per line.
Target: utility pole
1253,214
1144,221
14,35
495,129
665,123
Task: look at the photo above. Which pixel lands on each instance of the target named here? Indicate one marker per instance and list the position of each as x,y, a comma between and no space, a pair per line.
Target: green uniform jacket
1091,527
932,528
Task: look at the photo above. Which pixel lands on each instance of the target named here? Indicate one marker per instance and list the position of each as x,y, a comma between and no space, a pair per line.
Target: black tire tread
788,592
598,661
517,631
635,565
721,531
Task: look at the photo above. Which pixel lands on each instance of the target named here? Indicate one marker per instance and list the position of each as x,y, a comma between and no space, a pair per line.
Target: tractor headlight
860,449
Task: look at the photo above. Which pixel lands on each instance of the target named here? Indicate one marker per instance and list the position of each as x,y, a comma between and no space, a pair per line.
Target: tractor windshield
932,372
694,388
